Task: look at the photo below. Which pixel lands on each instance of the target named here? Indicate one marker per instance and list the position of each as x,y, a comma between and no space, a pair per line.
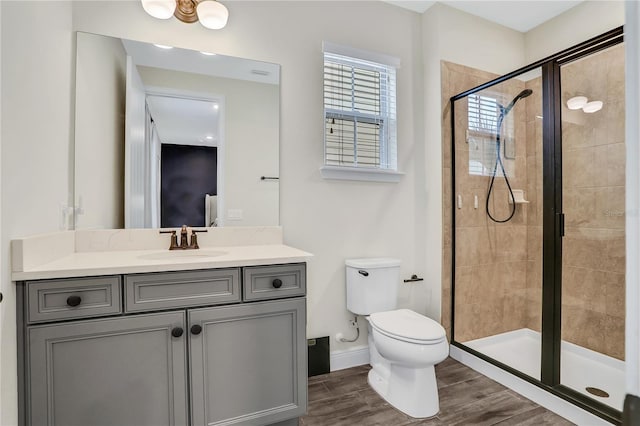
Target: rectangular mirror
167,136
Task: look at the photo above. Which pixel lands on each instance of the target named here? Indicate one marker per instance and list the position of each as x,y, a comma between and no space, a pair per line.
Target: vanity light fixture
592,107
211,13
577,102
581,102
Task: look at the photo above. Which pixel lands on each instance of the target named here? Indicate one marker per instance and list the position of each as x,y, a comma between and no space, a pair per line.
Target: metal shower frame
552,223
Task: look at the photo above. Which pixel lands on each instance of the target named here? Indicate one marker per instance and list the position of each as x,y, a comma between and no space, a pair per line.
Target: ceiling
520,15
193,61
185,121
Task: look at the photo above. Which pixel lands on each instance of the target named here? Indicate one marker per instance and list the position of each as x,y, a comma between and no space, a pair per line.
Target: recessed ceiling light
210,138
208,53
163,46
216,106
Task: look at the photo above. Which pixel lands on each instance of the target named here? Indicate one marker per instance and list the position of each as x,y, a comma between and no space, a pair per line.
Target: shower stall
537,208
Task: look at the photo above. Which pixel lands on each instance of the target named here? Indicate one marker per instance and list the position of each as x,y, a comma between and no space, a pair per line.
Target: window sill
361,174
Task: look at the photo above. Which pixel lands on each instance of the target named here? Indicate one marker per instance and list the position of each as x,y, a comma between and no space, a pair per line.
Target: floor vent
597,392
318,353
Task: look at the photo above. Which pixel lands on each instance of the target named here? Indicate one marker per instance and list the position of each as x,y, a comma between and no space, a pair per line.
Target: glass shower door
593,246
498,219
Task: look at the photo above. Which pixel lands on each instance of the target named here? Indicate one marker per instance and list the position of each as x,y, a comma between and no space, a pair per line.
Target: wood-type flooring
344,398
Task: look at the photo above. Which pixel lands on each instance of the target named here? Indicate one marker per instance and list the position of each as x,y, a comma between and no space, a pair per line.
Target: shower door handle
561,223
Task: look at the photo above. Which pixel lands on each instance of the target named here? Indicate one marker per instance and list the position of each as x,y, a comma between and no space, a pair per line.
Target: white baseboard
528,390
339,360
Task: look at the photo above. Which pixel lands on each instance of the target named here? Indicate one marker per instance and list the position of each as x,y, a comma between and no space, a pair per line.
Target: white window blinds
360,113
483,116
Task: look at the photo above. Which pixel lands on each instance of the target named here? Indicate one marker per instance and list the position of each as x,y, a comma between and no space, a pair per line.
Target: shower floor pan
580,368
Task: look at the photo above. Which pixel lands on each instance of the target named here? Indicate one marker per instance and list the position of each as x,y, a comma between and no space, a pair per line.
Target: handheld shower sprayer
503,113
521,95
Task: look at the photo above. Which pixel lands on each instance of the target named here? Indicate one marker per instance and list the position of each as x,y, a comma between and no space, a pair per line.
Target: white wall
101,69
580,23
37,122
7,396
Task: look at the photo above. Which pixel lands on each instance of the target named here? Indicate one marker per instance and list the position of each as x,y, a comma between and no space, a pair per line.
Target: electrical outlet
234,214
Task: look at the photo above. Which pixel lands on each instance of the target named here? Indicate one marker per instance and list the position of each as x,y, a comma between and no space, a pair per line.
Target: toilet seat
408,326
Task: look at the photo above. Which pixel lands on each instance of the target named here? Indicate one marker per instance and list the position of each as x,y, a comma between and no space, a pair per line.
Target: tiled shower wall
499,266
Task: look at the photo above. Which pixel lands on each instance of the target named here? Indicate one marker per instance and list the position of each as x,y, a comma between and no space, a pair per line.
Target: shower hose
504,173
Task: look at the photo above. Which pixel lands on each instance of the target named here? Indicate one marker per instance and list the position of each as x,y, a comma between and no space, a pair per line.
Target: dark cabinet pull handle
74,300
177,332
363,273
277,283
196,329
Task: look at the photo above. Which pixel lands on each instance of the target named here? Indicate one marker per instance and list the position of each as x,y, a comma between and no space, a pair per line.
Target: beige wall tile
584,327
614,337
584,288
578,168
615,295
616,162
614,125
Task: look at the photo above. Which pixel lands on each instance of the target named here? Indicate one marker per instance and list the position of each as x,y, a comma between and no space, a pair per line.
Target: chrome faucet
184,240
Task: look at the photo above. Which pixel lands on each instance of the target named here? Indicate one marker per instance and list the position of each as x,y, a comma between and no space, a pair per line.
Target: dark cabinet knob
177,332
196,329
277,283
74,300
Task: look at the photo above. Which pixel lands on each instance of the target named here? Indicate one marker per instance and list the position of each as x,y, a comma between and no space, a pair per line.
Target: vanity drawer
144,292
274,282
73,298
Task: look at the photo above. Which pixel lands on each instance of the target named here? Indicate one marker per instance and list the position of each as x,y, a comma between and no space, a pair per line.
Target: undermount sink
183,254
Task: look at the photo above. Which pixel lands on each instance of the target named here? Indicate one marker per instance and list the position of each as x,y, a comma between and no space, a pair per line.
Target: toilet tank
372,285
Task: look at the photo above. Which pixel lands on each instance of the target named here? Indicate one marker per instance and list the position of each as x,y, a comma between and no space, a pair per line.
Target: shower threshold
580,368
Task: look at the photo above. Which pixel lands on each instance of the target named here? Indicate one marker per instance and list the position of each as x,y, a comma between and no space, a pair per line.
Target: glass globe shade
577,102
161,9
592,107
212,15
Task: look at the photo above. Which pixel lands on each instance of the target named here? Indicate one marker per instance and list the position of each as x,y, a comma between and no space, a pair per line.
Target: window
483,115
359,113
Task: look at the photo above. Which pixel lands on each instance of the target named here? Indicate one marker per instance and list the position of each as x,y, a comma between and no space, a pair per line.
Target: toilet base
410,390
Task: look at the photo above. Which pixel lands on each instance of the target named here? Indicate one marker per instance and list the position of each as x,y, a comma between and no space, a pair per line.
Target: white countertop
109,252
136,261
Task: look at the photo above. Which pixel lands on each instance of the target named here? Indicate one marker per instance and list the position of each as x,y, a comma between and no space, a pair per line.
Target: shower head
505,110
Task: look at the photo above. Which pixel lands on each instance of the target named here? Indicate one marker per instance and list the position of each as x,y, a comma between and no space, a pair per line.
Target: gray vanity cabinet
248,363
165,349
118,371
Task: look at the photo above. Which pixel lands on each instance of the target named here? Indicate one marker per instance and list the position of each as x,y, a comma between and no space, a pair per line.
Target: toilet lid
406,324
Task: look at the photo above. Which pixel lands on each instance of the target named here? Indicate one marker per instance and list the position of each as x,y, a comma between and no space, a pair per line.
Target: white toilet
404,346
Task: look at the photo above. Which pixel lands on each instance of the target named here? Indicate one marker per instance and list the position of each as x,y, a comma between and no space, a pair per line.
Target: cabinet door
248,363
119,372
